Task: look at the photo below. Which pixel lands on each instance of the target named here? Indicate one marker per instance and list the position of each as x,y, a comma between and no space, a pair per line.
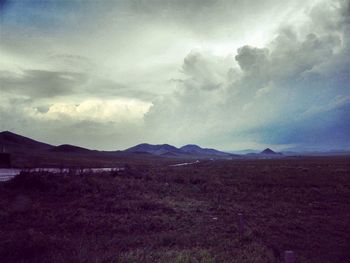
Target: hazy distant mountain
246,151
320,153
265,154
290,153
10,141
67,148
195,149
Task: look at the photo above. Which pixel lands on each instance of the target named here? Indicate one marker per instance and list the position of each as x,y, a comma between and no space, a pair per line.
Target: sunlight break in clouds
117,110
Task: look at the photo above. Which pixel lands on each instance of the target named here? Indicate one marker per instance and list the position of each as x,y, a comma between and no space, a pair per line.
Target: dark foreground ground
157,213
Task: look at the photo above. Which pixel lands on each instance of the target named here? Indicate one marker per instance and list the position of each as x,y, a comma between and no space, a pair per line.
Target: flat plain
154,212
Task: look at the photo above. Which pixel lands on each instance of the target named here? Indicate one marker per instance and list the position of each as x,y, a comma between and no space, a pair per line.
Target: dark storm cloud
195,9
40,83
293,91
289,57
270,71
314,71
252,59
203,71
329,130
210,17
104,88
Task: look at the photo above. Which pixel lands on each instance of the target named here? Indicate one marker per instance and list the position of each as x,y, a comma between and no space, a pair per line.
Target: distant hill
191,148
246,151
67,148
195,149
12,141
268,151
265,154
157,149
187,151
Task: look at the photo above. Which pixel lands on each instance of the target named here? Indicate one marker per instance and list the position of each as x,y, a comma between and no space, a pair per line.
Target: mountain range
28,152
12,142
172,151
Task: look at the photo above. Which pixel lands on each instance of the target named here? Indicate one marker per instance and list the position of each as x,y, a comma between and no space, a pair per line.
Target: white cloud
117,110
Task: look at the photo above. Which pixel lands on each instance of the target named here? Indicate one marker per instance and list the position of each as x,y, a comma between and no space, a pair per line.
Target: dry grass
152,213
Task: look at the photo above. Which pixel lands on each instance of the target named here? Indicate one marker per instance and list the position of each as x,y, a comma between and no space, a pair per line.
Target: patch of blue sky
40,14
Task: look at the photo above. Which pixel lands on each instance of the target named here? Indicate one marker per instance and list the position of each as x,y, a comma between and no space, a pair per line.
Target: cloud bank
220,74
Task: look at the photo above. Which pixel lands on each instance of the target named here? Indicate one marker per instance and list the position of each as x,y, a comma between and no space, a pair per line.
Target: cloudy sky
228,74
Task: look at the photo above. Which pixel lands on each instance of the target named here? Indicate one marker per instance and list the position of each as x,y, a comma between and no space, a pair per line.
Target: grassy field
152,212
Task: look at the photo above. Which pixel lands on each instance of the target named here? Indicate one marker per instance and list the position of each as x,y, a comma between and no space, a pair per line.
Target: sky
226,74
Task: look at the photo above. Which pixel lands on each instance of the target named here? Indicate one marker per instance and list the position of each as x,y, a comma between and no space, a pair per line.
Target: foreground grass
167,256
152,213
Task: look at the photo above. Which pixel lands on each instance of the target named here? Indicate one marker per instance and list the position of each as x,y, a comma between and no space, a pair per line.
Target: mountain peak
8,133
268,151
151,148
69,148
190,147
195,149
12,140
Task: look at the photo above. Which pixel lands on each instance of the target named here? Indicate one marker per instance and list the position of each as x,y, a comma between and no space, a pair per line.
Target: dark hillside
70,149
12,141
